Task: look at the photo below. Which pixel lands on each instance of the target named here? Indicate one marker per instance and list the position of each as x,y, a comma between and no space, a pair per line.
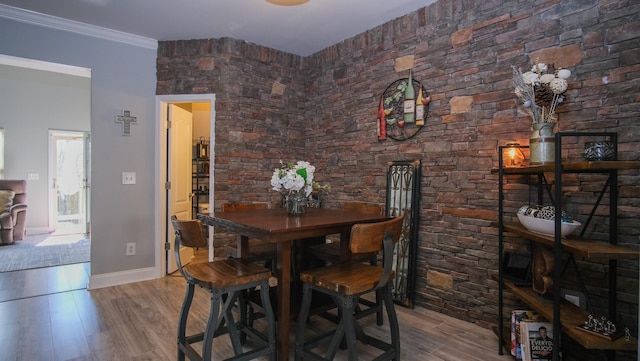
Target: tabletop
273,225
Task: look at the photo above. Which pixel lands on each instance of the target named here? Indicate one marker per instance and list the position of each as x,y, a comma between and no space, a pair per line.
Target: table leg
345,250
284,298
242,244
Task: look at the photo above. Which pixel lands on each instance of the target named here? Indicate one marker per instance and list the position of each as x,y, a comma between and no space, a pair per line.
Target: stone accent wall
260,99
323,108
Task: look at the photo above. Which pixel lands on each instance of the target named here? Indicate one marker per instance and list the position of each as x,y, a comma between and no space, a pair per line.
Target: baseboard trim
38,230
122,277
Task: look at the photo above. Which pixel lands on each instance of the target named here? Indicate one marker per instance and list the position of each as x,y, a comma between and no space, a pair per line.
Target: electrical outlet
131,249
128,177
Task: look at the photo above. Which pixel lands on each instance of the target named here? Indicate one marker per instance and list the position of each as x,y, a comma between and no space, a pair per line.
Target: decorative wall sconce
512,155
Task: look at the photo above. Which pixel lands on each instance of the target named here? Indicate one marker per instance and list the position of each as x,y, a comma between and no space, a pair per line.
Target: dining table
277,226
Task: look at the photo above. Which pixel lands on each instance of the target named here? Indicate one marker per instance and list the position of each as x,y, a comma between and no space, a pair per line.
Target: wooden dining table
276,226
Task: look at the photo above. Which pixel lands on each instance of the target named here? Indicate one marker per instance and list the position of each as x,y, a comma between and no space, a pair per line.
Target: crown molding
45,66
54,22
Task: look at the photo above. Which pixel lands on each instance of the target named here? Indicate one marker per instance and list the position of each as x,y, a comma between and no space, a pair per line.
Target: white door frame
162,225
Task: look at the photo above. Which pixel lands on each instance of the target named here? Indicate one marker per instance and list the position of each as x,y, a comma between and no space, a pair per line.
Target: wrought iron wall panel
403,196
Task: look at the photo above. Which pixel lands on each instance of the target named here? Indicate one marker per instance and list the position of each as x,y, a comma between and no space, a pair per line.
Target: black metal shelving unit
200,184
564,316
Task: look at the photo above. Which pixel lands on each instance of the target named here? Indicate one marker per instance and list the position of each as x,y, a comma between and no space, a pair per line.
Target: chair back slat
229,207
362,207
189,232
368,237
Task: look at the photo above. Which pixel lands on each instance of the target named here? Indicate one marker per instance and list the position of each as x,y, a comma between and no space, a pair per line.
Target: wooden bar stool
259,252
330,252
346,283
225,280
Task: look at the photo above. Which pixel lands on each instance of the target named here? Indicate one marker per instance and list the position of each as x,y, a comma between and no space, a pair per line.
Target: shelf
588,249
571,316
586,167
200,179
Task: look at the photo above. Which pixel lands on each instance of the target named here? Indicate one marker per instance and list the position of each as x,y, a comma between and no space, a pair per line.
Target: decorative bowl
602,150
547,226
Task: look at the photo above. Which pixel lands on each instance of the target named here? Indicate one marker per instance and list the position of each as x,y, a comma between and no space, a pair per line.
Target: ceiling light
287,2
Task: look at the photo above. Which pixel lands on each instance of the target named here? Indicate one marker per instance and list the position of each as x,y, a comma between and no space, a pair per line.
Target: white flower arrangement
540,92
291,177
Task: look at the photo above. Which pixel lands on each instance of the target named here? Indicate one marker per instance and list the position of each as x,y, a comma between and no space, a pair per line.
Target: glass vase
296,203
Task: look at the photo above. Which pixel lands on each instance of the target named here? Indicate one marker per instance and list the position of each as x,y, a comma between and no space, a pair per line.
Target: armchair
13,210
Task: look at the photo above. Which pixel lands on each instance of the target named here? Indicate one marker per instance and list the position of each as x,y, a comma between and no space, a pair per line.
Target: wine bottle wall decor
401,114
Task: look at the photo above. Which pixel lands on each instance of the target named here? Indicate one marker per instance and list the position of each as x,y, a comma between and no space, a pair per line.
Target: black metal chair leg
271,319
234,335
182,323
302,321
212,326
348,320
379,316
393,320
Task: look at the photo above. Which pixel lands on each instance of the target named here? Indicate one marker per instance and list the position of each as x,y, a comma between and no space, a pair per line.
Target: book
537,340
516,336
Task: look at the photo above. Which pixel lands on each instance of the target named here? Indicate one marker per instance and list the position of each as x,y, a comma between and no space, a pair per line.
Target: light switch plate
128,177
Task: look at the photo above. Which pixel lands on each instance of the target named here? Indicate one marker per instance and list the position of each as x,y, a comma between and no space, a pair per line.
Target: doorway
29,132
183,121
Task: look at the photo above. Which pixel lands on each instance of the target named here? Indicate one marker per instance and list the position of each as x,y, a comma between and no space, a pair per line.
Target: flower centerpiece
541,91
295,182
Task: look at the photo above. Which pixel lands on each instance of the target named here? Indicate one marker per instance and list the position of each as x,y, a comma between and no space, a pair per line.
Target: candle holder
512,156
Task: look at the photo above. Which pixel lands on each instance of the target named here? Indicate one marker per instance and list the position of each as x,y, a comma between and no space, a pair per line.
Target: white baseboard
122,277
38,230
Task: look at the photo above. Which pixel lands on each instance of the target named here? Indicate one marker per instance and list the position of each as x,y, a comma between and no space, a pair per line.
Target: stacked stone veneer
322,108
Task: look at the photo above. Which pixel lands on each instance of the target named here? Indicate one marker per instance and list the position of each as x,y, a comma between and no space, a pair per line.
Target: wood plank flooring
48,315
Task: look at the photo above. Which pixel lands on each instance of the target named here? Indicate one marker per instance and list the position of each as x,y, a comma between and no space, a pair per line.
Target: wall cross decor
126,119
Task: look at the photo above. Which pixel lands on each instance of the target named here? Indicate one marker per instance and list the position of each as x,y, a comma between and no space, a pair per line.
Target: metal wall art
402,110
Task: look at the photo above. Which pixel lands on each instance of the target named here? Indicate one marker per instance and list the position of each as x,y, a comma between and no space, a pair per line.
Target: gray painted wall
33,102
123,77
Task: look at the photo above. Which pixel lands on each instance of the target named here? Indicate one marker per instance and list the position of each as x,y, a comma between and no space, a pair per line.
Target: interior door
68,161
179,172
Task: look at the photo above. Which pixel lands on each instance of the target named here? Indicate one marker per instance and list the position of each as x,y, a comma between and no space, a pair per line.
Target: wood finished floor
47,314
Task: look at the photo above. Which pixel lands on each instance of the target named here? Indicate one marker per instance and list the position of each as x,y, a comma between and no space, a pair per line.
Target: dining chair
346,283
225,280
330,252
